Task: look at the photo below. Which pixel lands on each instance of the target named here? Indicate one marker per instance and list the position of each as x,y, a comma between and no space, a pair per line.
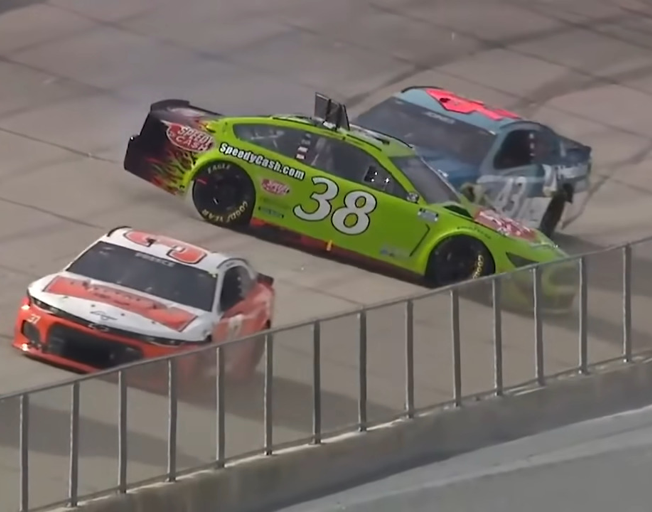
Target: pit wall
300,473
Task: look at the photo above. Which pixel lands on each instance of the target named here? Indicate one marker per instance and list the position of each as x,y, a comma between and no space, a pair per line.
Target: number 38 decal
351,219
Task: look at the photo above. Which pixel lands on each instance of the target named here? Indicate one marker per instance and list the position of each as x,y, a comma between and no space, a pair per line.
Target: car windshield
429,130
428,184
142,272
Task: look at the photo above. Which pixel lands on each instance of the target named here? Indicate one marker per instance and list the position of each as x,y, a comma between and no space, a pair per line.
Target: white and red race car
133,295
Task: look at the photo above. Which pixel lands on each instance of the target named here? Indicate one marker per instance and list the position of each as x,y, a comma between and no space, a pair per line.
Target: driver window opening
352,164
518,150
379,178
232,289
338,158
236,286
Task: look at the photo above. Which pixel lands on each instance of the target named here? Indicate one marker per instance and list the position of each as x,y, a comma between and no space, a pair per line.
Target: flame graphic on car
169,169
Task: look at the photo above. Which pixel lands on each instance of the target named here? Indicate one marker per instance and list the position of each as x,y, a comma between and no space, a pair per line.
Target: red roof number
460,105
183,253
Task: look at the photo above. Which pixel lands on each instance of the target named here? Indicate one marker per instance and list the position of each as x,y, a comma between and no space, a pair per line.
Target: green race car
322,183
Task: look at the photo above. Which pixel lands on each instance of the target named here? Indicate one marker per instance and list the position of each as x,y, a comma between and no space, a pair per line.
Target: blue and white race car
521,168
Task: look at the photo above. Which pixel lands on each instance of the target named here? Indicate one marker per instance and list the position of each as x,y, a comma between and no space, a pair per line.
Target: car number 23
352,218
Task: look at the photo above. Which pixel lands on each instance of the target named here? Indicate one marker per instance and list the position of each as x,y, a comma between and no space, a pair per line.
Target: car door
355,204
513,177
279,175
240,315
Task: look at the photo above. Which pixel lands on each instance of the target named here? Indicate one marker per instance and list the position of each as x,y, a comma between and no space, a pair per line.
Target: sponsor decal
188,139
261,161
444,119
170,316
103,316
394,252
275,187
504,225
226,218
271,212
274,202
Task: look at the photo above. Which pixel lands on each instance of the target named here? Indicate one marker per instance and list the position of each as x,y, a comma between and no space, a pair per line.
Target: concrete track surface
595,466
76,79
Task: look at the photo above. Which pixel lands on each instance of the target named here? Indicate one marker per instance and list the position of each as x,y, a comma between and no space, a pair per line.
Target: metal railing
154,420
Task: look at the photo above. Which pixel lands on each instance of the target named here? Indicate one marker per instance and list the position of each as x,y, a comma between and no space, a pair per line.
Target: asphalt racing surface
596,466
76,79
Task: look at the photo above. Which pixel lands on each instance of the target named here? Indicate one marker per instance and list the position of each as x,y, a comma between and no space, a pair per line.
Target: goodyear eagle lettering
261,161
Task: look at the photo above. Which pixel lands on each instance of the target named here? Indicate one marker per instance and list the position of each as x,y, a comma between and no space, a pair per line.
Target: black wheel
553,215
223,194
457,259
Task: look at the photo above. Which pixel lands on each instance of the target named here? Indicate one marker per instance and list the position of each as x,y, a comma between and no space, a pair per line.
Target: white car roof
164,247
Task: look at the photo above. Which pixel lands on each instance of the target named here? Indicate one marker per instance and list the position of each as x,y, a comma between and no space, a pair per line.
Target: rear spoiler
151,143
265,279
573,145
173,104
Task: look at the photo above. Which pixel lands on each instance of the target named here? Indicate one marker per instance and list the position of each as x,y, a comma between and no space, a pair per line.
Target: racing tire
223,194
457,259
553,215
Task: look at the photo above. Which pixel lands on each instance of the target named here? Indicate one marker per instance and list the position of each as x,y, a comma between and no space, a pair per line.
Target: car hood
456,172
113,306
520,235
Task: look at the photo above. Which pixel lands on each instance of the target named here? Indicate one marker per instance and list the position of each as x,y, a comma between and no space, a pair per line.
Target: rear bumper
135,161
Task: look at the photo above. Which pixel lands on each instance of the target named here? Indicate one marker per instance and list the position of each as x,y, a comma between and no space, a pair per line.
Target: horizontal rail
362,343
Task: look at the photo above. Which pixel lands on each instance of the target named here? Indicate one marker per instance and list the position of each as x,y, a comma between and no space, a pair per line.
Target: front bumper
60,340
557,293
72,345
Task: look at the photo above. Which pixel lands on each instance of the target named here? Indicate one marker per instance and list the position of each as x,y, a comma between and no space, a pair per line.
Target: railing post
498,335
316,382
73,472
220,396
173,403
122,432
627,303
268,394
538,329
457,349
409,358
583,315
24,453
362,371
